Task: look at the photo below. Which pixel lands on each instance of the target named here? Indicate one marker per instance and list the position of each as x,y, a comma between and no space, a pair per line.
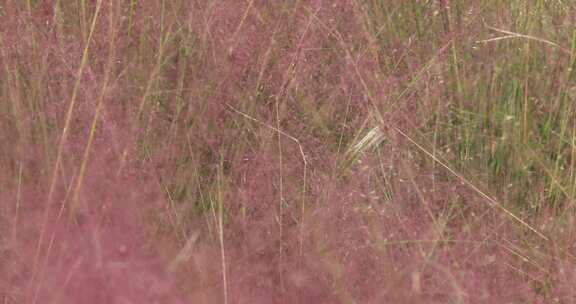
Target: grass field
357,151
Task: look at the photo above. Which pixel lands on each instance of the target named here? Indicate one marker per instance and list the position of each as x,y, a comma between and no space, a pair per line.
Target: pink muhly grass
282,152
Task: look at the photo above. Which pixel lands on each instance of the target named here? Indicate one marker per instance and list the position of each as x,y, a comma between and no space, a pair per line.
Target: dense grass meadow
305,151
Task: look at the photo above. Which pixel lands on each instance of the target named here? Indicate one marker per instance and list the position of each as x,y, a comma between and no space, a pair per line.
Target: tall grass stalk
59,155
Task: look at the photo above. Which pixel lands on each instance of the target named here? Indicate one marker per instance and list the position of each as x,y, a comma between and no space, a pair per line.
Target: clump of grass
355,152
